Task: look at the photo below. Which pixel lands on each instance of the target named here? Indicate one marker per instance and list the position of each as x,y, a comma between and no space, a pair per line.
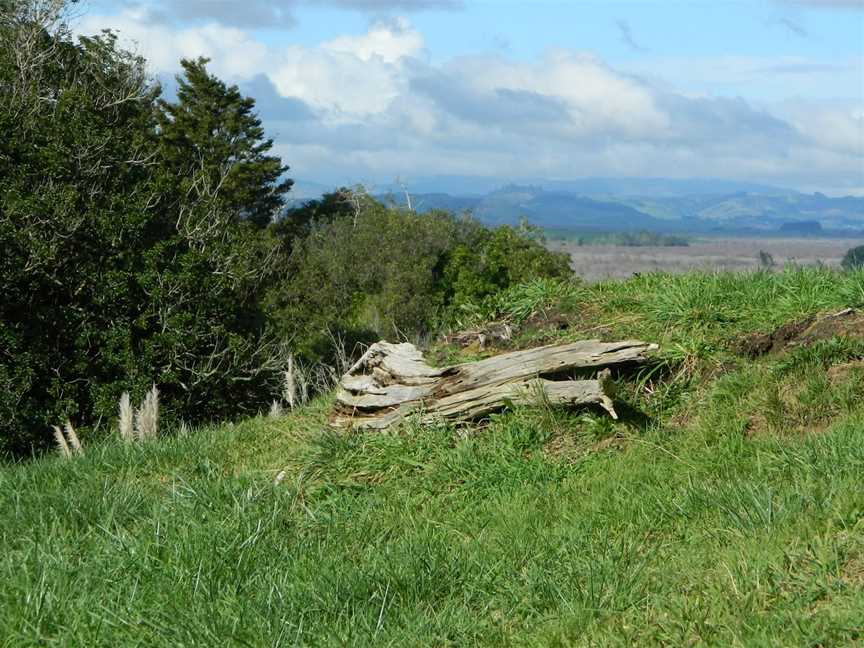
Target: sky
367,91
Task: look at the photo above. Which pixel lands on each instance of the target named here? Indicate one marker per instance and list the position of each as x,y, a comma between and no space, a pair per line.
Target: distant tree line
627,239
145,241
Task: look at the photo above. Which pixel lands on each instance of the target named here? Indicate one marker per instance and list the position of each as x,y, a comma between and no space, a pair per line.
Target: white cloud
836,126
376,107
389,41
351,76
234,53
341,86
598,99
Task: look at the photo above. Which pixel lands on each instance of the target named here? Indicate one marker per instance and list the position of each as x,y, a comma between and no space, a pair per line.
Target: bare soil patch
804,332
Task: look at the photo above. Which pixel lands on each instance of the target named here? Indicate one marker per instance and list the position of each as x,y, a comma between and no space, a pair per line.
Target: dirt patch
503,335
563,446
852,571
804,332
567,447
840,374
758,426
759,344
846,323
551,320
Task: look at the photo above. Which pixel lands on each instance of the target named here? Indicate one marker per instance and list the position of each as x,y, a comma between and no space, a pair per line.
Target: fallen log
392,381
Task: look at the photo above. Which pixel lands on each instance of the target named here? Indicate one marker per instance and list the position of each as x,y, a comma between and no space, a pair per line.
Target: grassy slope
726,509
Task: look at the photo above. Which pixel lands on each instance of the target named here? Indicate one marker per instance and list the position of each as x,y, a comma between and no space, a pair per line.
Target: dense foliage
141,244
366,271
127,259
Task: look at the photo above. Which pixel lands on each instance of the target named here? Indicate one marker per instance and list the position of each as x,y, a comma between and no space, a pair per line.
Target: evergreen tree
212,139
77,119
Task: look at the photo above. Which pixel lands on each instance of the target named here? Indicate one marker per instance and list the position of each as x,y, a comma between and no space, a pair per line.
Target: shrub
854,258
389,272
496,260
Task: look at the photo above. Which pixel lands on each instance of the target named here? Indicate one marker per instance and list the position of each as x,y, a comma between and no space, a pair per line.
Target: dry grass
68,443
62,445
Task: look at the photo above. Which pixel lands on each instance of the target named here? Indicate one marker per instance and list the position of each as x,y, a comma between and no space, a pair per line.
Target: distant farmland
596,262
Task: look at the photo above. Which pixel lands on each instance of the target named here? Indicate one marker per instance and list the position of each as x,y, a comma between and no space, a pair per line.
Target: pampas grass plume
290,384
147,416
276,410
62,446
125,423
72,437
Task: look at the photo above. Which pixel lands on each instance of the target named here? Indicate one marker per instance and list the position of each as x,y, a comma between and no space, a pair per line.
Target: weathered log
392,381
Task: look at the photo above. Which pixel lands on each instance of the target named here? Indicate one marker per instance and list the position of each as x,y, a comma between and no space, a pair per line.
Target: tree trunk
391,381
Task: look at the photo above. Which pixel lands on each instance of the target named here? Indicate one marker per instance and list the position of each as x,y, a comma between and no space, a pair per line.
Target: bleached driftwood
391,381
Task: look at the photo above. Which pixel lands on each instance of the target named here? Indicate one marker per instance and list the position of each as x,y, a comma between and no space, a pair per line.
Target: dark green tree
222,190
127,259
76,154
369,271
297,222
213,141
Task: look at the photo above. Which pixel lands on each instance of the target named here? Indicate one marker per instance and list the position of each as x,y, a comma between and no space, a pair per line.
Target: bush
854,258
496,260
391,273
137,247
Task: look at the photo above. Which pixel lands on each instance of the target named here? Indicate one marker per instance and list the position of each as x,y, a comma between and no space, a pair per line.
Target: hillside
725,508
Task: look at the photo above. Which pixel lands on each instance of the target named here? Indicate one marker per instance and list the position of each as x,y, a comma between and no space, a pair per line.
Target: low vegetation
723,509
854,258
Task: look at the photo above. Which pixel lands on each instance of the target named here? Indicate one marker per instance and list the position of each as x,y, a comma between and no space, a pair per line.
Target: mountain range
651,204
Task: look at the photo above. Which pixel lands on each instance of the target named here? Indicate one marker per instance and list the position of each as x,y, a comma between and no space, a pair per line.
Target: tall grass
421,539
125,421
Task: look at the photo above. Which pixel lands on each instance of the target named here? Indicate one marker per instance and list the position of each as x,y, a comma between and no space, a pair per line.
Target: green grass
725,509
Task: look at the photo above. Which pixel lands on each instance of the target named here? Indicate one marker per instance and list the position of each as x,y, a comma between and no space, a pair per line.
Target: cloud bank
269,14
370,106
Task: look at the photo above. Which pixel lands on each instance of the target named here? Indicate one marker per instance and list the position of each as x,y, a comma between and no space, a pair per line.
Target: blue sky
368,90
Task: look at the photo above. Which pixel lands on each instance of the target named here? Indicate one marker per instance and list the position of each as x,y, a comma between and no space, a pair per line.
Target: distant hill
659,205
591,187
560,209
754,211
430,201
